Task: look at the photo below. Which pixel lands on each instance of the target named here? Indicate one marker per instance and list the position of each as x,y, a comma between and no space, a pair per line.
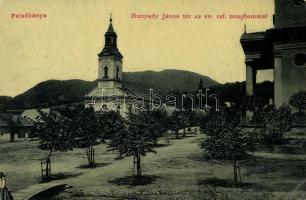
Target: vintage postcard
152,99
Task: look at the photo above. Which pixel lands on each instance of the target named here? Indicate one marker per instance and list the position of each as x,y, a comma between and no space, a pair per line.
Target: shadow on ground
278,174
63,176
228,183
134,181
288,168
265,173
97,165
181,137
162,145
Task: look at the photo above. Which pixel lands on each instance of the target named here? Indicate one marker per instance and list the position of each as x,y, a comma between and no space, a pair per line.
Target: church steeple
110,46
110,27
110,59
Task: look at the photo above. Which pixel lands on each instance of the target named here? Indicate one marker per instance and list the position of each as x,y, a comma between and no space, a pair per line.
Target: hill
165,81
55,92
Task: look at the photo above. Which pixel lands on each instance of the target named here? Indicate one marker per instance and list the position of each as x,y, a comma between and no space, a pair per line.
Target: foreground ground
177,171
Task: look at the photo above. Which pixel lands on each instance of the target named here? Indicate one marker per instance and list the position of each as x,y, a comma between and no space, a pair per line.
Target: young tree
176,122
113,130
276,122
138,140
87,133
298,100
191,118
185,121
54,133
158,123
225,140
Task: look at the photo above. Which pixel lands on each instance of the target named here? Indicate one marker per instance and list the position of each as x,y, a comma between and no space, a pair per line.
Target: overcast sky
66,43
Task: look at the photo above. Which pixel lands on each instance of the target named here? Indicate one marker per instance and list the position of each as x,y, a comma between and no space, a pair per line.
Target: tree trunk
235,172
167,138
120,155
300,116
138,166
184,133
134,163
48,165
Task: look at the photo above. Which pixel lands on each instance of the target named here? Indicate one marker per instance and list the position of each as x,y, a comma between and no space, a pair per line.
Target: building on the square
110,93
282,48
10,122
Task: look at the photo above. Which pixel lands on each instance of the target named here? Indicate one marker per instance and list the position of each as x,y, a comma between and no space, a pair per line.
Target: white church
110,93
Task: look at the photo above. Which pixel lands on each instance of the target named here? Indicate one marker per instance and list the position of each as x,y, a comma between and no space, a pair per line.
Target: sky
65,44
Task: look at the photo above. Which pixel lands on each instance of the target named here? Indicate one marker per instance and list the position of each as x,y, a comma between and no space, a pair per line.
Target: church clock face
298,3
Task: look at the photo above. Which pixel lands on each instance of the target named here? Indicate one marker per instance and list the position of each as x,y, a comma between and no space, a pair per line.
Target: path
38,190
94,181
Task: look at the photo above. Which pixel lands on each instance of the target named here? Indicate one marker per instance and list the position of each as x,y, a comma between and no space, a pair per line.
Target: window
104,107
300,60
105,72
299,3
117,73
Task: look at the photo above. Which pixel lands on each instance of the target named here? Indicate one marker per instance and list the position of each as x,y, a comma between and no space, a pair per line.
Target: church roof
110,28
3,123
109,92
110,51
110,46
253,36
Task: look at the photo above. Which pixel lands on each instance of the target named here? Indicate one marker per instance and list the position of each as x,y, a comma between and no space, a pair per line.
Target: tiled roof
3,123
7,118
32,114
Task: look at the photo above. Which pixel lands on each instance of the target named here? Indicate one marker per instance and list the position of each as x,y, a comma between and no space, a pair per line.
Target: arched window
105,72
104,107
118,108
117,73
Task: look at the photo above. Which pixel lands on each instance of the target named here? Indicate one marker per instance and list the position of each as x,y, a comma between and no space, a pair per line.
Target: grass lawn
177,171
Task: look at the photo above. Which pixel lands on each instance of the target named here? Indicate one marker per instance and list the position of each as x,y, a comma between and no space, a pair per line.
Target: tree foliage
298,100
137,139
225,140
86,132
176,122
113,130
276,122
54,133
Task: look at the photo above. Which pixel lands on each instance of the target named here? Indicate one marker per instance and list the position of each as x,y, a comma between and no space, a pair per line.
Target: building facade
282,48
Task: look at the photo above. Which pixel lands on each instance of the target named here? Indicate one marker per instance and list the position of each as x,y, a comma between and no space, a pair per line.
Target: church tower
289,13
110,93
110,61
